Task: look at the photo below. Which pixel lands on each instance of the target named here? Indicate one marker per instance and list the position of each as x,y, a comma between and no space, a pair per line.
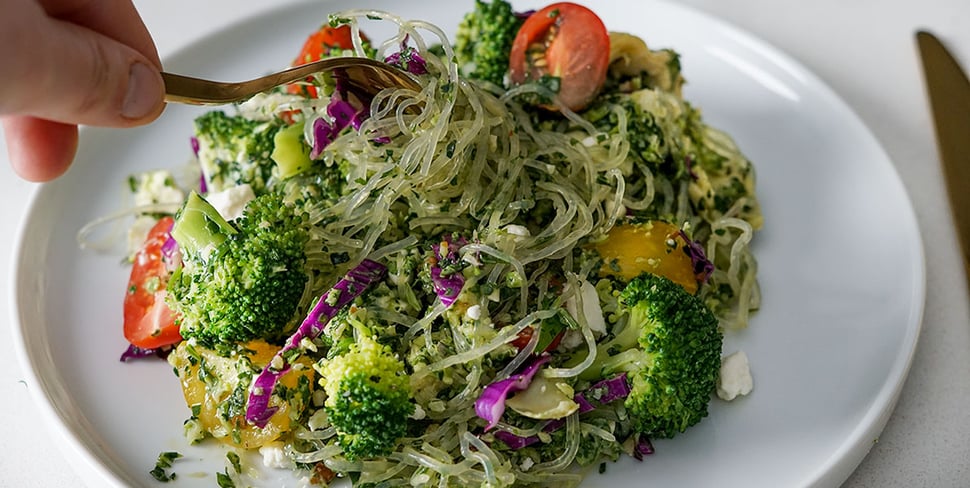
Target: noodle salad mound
523,270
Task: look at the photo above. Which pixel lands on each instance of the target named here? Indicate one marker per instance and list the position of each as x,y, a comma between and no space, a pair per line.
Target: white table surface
864,49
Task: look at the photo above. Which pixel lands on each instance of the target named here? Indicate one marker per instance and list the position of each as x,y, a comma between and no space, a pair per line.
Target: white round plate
841,269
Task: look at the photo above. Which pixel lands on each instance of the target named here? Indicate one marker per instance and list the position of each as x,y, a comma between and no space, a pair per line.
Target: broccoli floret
235,150
484,39
368,398
670,349
242,280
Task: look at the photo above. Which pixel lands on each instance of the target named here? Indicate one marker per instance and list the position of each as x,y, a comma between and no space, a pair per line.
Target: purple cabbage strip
449,286
170,250
135,352
603,392
608,390
642,448
351,286
341,111
408,59
518,442
703,267
203,187
171,255
343,114
491,404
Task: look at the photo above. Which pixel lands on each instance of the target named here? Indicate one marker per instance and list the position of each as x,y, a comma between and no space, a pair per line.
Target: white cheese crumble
735,377
474,312
275,457
231,201
155,187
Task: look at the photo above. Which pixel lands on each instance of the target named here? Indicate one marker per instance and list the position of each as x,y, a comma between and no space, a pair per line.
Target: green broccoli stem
198,226
621,353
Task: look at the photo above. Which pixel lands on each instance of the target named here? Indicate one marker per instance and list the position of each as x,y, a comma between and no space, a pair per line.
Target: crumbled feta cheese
231,201
474,312
275,457
735,377
527,464
155,187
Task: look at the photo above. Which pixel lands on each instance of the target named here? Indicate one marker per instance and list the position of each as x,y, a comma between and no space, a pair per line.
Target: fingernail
143,92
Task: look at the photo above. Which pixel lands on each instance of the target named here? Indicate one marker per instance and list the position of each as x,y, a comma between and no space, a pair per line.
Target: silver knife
949,94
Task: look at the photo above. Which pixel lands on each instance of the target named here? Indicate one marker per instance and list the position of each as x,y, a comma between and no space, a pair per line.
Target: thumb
65,72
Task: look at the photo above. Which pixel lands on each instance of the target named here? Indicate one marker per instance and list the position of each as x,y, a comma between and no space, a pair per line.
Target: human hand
70,62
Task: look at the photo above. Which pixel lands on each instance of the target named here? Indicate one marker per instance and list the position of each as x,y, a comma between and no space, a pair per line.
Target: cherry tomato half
149,322
318,46
567,41
525,336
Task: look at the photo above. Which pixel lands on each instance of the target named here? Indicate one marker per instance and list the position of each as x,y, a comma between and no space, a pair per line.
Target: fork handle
196,91
364,74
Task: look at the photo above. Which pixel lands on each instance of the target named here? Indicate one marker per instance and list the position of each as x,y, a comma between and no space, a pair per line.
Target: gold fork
360,75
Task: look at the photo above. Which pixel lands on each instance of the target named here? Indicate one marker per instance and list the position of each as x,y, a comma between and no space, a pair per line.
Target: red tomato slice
149,322
318,46
522,339
567,41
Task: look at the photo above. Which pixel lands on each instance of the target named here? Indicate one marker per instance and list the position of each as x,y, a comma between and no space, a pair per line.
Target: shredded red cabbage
491,404
408,59
171,255
135,352
517,442
446,276
643,447
703,267
203,187
170,249
351,286
609,390
343,114
341,111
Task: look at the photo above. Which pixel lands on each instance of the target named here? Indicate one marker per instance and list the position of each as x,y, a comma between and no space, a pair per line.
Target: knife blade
949,94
